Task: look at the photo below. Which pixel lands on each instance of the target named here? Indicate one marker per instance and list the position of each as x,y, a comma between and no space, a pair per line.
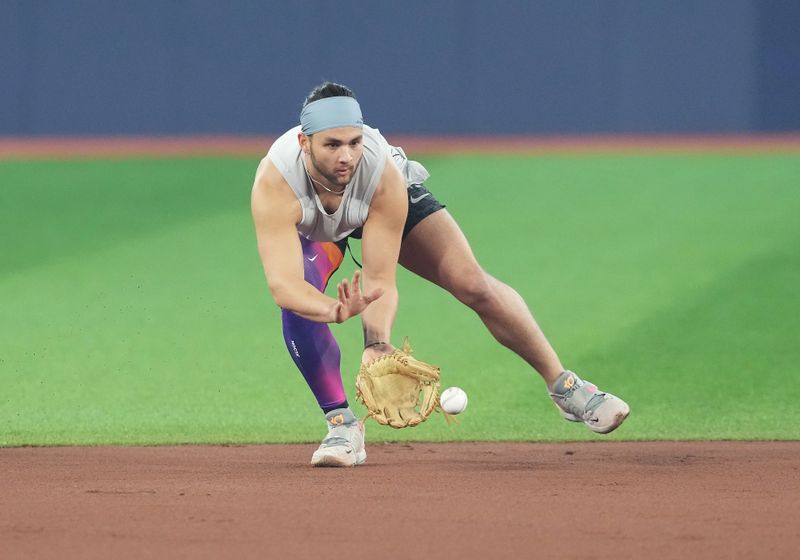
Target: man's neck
320,184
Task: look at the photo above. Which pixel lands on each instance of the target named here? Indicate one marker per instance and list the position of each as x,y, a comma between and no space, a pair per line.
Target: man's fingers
355,288
356,284
338,312
372,296
351,300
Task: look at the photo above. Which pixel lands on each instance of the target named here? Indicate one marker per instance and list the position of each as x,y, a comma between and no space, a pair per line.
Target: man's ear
305,142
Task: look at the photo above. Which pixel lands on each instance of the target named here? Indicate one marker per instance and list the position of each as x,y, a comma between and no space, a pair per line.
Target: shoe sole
339,461
619,418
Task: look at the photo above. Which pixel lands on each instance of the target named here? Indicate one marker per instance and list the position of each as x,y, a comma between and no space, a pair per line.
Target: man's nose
345,154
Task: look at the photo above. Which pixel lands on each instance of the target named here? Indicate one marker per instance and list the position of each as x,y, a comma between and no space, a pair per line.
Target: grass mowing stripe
53,209
163,332
148,341
717,363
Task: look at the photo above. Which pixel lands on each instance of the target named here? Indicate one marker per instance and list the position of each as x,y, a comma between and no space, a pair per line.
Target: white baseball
453,400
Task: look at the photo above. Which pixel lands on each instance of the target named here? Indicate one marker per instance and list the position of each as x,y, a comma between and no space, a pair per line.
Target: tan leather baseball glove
397,389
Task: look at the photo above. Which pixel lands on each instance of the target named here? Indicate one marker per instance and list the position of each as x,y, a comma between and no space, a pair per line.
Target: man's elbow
280,294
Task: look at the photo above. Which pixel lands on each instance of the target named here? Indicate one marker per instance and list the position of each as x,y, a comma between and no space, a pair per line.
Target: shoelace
591,404
333,441
334,438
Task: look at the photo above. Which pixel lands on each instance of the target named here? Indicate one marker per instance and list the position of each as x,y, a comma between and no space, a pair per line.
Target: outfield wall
97,67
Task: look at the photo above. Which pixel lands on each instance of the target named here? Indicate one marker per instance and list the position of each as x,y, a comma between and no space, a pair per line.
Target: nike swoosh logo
415,199
312,259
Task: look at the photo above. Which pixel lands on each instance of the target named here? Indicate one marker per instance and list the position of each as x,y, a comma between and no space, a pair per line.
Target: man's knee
474,288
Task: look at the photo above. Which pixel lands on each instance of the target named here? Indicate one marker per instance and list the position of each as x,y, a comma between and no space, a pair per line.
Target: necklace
337,193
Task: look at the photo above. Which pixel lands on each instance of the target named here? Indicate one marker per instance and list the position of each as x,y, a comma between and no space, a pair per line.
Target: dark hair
328,89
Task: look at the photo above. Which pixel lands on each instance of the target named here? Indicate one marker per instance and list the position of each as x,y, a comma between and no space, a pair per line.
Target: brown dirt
481,500
132,146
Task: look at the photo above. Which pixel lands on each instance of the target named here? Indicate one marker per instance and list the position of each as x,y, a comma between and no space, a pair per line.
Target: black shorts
421,204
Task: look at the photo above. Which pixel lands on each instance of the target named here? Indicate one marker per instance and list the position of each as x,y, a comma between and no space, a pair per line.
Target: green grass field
133,307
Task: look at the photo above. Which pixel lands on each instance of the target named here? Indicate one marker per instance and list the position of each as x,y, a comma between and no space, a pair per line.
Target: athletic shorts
421,204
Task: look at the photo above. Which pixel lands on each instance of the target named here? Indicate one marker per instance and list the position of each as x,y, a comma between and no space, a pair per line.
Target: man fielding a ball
333,177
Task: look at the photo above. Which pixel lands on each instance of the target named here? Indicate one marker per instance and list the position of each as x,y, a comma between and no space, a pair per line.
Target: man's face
336,152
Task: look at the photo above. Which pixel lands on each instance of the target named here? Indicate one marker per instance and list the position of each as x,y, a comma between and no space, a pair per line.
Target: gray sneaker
580,401
344,444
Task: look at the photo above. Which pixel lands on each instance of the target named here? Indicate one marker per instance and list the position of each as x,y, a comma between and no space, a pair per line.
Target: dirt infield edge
61,147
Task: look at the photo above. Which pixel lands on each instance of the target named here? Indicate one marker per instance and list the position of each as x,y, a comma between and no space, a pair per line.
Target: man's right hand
351,300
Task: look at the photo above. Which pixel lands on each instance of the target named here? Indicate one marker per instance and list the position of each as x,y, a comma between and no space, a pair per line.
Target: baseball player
332,178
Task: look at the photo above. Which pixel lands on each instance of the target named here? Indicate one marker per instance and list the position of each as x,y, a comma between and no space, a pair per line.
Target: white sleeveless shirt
318,225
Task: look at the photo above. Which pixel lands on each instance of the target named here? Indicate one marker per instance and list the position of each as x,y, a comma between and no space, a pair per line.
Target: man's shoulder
271,191
286,140
373,134
375,144
285,153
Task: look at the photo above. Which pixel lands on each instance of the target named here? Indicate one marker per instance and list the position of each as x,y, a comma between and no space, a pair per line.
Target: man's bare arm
380,249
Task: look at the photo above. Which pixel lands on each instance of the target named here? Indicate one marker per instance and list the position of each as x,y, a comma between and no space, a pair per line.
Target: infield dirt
469,500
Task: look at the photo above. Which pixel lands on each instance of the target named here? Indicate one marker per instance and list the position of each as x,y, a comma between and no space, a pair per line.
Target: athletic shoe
344,444
580,401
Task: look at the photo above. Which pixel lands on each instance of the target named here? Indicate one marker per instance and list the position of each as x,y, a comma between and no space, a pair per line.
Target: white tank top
317,224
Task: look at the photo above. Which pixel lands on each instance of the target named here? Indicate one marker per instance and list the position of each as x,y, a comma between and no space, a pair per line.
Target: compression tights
312,345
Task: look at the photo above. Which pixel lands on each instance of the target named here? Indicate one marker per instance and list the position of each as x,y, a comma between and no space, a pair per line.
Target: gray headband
330,112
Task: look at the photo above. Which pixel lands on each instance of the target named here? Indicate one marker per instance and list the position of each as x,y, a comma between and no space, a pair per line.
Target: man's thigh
437,250
421,204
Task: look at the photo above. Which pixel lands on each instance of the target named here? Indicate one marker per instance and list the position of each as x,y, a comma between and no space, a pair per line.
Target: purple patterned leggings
312,345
